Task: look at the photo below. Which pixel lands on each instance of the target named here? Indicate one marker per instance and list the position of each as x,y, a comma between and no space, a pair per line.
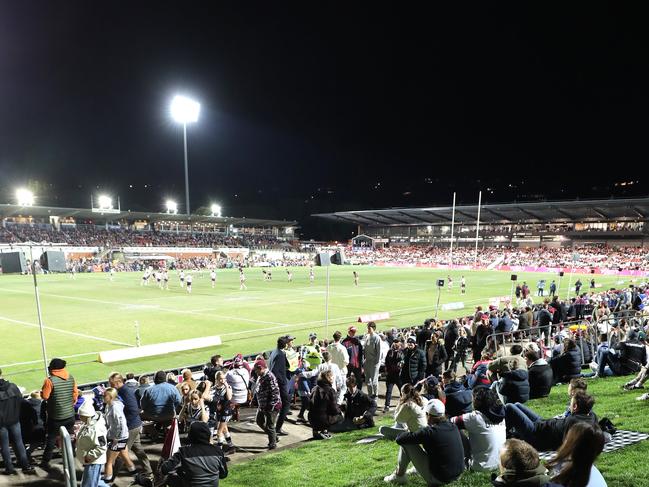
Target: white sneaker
412,471
593,366
393,478
644,397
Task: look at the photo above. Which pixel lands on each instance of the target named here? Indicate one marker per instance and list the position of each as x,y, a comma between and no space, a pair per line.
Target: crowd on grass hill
457,390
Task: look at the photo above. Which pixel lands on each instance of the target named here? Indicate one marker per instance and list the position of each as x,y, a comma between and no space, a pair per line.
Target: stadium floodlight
185,110
24,197
172,207
105,202
216,210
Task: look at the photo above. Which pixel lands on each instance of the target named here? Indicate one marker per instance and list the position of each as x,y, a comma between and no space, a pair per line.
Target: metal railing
69,466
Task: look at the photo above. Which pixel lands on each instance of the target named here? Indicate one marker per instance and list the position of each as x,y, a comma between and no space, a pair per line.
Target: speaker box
322,259
53,261
514,277
13,262
560,273
337,258
592,271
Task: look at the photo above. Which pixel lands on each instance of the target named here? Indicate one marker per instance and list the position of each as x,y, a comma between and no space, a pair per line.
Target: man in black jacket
547,434
539,373
278,365
436,451
544,323
199,464
359,409
10,401
414,363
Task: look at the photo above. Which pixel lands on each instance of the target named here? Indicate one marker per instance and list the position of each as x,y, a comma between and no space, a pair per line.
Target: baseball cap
351,328
87,409
435,407
313,335
411,340
288,338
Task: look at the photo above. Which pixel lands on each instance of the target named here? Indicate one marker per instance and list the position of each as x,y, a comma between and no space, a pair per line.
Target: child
91,444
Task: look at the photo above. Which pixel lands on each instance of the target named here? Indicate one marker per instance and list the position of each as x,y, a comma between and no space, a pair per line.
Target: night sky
321,106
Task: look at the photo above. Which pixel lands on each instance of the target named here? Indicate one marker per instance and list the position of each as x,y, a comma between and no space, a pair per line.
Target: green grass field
341,462
90,313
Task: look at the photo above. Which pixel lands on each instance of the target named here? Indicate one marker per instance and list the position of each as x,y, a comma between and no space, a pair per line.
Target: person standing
553,288
61,393
355,351
10,401
339,354
392,372
372,363
278,365
414,363
117,434
91,445
133,422
268,393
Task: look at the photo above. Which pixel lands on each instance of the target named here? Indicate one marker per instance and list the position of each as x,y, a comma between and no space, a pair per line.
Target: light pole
185,110
38,307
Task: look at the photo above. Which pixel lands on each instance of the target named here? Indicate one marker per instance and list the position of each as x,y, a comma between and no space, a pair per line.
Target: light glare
24,197
105,202
184,110
172,207
216,210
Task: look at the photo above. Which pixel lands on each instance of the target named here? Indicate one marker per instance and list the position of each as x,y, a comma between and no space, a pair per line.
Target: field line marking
40,360
66,332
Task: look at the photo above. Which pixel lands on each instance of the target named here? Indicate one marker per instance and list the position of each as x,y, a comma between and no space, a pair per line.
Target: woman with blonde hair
410,414
222,399
117,434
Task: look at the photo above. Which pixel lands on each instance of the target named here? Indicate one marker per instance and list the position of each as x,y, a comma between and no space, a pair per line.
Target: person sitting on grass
513,383
324,411
486,428
574,463
627,357
359,409
567,365
576,384
410,414
547,434
458,398
539,373
520,466
199,464
435,451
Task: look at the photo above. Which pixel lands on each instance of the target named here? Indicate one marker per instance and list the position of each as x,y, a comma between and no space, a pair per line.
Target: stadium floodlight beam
105,202
24,197
172,207
185,110
216,210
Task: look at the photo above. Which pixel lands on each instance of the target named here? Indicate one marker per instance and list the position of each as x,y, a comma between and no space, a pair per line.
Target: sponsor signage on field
385,315
450,306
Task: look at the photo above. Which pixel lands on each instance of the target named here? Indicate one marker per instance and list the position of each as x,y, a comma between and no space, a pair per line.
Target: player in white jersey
463,285
289,275
450,282
71,271
188,280
356,278
111,273
242,280
165,278
181,276
145,278
158,278
311,275
213,277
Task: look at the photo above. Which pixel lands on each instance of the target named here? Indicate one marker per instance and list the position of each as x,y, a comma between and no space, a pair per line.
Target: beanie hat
57,364
435,407
87,409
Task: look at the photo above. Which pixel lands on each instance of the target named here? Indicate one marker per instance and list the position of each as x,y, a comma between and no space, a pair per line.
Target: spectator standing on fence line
268,393
92,444
117,434
278,365
355,351
160,401
372,352
10,402
61,393
133,422
339,354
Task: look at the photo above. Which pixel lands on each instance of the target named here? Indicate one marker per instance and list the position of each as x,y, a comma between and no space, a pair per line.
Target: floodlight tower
24,197
185,110
216,210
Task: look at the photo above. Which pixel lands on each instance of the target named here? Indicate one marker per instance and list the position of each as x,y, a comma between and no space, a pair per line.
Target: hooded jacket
10,400
199,464
116,421
324,409
92,441
487,433
459,400
540,379
515,385
61,393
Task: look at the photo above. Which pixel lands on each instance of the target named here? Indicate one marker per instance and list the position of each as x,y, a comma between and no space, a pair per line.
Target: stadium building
614,222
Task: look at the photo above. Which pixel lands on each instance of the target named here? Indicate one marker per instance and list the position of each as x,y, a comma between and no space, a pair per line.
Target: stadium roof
538,212
88,214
